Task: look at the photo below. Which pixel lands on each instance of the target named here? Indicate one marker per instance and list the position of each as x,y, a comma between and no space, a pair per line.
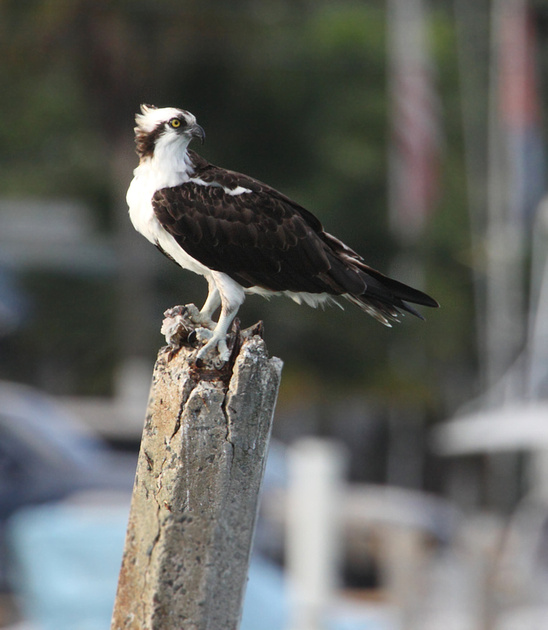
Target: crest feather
143,120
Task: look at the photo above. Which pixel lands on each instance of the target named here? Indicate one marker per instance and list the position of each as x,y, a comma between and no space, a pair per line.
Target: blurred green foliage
293,93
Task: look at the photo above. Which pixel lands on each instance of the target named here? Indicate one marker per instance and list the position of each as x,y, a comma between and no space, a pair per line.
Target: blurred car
47,456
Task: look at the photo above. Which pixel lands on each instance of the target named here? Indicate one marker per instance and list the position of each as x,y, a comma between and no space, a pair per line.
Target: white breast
149,177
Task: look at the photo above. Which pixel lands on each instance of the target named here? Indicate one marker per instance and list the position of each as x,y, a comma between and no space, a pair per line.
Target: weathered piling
196,490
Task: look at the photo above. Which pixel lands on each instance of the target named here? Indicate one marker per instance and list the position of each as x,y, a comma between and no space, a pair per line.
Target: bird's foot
187,325
215,350
203,334
197,317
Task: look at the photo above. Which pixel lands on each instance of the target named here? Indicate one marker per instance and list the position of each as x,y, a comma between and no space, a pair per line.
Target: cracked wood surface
196,490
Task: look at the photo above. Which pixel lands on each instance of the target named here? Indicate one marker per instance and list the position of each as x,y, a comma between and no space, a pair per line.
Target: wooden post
196,490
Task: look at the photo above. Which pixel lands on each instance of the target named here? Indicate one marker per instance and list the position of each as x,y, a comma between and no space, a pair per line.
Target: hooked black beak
197,132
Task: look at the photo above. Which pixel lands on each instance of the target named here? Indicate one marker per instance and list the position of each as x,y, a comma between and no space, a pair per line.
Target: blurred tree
292,93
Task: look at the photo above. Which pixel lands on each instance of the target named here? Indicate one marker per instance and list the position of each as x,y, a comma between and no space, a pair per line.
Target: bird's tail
386,298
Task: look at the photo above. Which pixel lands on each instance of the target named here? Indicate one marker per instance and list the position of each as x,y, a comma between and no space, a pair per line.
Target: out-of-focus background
415,131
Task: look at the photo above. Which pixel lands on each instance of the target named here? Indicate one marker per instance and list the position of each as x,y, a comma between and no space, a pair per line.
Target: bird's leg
210,306
203,317
217,341
231,297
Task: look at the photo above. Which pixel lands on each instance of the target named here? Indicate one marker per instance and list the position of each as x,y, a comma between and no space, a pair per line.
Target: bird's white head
164,129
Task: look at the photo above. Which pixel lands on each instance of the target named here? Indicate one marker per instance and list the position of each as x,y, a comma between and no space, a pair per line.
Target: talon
192,338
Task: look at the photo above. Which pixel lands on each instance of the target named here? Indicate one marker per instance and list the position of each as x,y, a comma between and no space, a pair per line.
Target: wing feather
262,238
257,238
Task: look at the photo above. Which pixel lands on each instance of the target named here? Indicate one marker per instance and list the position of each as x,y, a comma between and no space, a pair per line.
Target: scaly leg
210,306
203,317
231,296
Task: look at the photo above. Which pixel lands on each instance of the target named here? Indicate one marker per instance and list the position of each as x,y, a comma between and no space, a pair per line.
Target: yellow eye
175,123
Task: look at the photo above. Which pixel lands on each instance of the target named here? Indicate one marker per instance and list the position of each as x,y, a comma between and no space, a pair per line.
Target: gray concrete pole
196,490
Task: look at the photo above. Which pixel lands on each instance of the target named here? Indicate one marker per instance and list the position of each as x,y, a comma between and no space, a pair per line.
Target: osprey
242,235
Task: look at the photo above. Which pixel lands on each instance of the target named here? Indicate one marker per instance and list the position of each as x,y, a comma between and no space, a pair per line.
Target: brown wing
262,238
257,238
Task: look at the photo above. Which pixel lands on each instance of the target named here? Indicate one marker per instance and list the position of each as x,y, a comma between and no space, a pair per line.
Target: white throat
169,166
